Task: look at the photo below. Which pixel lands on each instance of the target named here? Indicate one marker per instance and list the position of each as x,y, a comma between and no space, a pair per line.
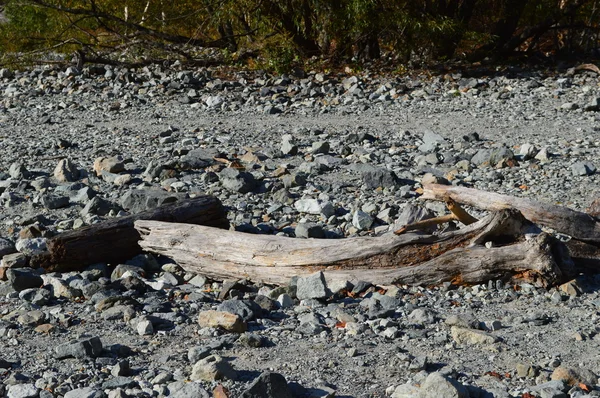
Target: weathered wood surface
458,256
578,225
116,240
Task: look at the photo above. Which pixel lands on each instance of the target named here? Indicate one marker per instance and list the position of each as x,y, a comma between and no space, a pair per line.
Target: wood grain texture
578,225
457,256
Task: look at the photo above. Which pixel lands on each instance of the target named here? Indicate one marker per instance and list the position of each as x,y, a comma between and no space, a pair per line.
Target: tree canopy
280,32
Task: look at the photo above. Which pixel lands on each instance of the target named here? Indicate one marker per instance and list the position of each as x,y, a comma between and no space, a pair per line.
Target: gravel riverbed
314,155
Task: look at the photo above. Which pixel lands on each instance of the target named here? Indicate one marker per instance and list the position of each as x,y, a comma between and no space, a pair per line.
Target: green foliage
286,32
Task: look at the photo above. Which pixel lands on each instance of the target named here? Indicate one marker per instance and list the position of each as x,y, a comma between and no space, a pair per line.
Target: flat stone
471,336
85,392
22,391
583,169
438,386
86,347
226,320
183,389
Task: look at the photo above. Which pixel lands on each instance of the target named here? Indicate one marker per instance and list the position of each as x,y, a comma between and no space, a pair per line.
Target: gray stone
309,206
121,269
138,200
35,296
438,386
528,151
23,278
431,141
499,154
212,368
121,368
17,171
361,220
187,390
583,169
543,155
481,157
119,382
237,181
312,286
85,392
26,390
97,206
309,230
31,247
471,337
411,214
85,347
144,327
423,316
289,148
268,385
285,301
320,147
53,201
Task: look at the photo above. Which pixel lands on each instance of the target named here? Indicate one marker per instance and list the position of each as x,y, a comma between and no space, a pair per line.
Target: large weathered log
116,240
458,256
578,225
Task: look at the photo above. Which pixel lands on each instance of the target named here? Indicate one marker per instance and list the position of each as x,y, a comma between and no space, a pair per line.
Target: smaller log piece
579,225
116,240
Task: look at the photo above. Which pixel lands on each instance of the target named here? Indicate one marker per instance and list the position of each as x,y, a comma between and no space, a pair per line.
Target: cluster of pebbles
308,155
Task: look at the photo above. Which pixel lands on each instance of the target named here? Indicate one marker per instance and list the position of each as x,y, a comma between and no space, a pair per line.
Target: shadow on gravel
247,375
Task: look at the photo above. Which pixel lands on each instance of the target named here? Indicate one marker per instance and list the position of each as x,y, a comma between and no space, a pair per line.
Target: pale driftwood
578,225
115,240
458,256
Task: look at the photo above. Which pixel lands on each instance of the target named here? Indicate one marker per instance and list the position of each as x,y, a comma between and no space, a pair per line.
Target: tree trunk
116,240
459,256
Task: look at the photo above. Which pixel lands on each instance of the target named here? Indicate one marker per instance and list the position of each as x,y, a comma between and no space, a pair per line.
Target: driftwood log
583,228
492,248
116,240
579,225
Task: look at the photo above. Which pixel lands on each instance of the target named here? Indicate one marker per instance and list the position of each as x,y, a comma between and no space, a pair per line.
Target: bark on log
578,225
458,256
116,240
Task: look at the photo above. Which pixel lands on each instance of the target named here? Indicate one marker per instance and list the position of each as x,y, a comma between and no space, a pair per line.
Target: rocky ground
307,156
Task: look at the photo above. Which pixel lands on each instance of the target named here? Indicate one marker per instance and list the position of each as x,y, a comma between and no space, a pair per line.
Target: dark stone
139,200
268,385
23,278
90,347
380,177
247,310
